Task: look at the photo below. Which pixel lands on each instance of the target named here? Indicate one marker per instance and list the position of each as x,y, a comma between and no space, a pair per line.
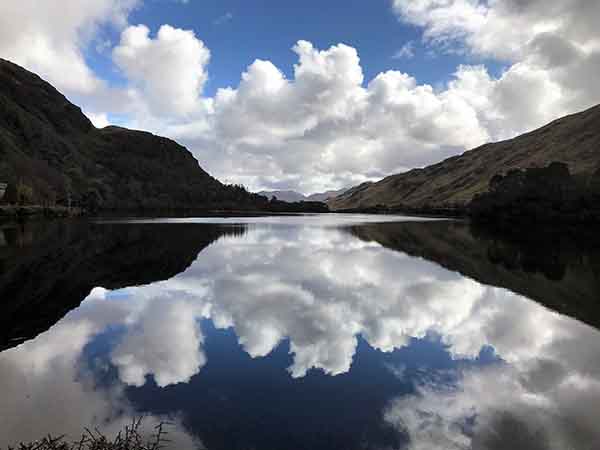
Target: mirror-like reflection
285,335
558,268
48,268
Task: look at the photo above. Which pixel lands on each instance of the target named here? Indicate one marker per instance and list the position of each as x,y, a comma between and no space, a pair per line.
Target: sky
314,95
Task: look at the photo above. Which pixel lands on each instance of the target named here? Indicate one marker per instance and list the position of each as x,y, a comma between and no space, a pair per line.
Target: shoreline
13,212
32,211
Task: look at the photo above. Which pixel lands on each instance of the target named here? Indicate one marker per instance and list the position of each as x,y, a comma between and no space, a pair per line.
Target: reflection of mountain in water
47,269
559,270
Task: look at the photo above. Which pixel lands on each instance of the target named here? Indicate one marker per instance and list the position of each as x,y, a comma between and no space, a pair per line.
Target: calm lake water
308,332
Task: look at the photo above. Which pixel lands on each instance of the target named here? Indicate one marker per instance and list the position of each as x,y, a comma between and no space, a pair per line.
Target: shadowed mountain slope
48,145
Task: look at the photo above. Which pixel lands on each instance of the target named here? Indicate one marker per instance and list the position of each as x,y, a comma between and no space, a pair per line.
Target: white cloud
407,51
51,40
557,38
99,120
169,71
324,126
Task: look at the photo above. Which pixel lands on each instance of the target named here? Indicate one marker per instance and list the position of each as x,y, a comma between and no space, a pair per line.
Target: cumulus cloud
51,40
326,127
554,42
167,71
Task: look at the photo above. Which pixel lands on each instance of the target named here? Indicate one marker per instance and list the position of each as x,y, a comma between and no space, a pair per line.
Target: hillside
50,153
574,140
323,196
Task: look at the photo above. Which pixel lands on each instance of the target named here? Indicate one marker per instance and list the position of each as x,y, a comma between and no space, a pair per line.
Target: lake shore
30,211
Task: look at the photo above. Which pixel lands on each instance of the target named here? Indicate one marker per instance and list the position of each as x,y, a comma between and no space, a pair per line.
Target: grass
128,439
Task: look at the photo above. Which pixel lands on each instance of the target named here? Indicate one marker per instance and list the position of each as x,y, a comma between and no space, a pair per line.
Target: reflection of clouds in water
165,341
320,288
547,397
506,413
46,389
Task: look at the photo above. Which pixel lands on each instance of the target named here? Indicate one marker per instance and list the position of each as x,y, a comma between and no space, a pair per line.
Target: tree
24,193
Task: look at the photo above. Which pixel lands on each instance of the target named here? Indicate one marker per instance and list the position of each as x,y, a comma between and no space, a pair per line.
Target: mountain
452,183
285,196
323,196
293,196
50,153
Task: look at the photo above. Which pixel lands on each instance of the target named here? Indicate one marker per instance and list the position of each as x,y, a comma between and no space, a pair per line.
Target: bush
128,439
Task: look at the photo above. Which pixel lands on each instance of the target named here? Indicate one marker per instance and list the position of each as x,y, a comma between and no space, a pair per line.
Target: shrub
128,439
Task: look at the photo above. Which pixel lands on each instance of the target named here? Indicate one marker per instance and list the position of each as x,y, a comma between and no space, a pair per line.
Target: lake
301,332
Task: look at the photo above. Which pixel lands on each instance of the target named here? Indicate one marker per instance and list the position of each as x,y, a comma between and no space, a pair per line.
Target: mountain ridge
294,196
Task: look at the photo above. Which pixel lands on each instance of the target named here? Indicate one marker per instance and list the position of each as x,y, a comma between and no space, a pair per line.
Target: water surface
317,332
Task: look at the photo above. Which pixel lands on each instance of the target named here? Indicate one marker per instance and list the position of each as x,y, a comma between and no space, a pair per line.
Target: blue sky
239,31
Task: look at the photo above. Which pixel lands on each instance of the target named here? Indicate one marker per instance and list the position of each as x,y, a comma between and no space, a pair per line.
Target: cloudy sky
314,95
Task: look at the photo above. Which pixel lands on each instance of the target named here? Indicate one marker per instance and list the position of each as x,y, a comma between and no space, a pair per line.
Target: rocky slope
574,140
53,154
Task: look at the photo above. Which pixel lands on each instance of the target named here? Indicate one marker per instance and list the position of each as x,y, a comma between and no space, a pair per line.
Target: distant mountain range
293,196
452,183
